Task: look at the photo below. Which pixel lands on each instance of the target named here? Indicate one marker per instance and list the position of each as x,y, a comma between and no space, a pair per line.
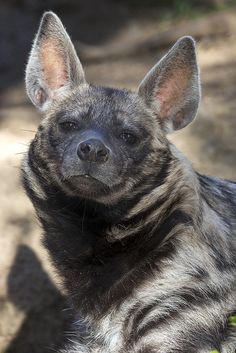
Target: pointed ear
172,88
53,67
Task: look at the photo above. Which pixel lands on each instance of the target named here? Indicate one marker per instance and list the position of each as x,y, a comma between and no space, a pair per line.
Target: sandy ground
33,310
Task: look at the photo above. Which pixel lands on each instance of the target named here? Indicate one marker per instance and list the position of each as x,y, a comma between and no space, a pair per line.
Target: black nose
93,150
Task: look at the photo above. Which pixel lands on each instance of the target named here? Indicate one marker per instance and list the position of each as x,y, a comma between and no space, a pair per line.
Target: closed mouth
87,178
87,184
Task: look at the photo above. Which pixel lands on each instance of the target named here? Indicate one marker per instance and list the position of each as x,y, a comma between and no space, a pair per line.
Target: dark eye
128,137
68,126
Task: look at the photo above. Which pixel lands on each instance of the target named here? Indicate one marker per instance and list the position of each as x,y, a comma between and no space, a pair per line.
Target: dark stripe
175,218
222,261
120,209
216,191
144,270
197,337
36,160
148,349
204,337
145,213
189,297
162,174
138,318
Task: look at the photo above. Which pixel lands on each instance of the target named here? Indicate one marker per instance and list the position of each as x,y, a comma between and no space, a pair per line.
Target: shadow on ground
31,291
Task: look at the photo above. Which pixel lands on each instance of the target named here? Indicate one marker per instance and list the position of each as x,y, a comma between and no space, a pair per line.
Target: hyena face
95,142
100,143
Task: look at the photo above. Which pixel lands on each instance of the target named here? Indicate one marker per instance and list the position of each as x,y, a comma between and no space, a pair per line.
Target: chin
87,187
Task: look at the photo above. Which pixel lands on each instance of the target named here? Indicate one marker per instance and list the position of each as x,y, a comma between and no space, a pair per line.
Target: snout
90,165
93,150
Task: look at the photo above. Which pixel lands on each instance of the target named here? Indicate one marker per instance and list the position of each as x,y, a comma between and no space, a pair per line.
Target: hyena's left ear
53,67
171,89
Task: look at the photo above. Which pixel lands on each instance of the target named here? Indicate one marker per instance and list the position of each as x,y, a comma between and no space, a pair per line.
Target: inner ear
173,101
169,92
54,65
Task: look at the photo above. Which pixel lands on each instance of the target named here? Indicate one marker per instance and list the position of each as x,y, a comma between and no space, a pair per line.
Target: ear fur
172,87
53,67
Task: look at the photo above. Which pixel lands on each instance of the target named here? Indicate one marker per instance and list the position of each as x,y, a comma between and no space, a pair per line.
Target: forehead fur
104,103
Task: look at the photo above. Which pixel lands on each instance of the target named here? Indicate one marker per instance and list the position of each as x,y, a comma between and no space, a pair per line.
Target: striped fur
148,259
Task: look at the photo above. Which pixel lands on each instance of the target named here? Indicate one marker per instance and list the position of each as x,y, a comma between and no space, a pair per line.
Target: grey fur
148,259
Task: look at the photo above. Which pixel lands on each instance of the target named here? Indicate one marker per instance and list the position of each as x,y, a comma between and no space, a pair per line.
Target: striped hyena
146,247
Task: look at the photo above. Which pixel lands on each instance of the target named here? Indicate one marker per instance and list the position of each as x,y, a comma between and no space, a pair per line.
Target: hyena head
100,143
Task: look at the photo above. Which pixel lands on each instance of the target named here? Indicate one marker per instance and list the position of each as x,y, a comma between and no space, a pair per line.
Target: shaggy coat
145,246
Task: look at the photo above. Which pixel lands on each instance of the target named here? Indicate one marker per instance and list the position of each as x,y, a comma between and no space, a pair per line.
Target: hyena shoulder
220,194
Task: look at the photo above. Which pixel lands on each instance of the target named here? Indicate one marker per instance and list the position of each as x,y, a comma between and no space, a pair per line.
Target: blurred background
118,42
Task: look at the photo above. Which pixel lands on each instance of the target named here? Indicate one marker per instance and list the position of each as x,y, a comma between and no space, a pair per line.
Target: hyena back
146,247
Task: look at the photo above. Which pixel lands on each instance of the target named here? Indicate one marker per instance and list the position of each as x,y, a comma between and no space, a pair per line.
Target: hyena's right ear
53,67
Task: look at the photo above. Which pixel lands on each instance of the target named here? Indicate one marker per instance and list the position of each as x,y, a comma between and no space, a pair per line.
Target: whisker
20,152
24,144
26,130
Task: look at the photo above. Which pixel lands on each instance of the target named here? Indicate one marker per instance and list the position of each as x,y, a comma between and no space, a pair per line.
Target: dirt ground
33,310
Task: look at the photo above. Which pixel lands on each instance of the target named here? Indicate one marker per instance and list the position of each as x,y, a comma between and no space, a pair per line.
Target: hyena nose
93,150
